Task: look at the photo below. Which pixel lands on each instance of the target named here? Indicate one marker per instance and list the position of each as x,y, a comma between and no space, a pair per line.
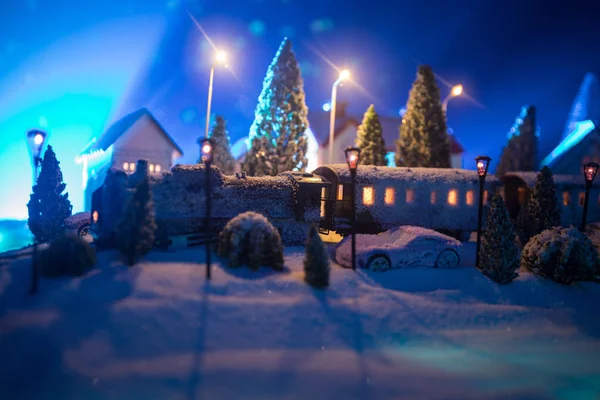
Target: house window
157,168
368,196
485,197
95,216
453,197
581,198
132,167
151,167
126,166
433,197
410,195
340,192
566,198
521,192
390,196
470,197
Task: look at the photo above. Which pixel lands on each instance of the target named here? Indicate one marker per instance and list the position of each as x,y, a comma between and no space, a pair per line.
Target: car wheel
379,263
447,258
84,230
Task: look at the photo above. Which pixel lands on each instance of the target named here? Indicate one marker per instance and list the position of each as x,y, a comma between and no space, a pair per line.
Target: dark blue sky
148,53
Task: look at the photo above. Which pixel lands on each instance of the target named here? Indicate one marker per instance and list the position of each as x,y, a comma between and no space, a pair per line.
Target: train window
433,197
410,195
340,192
581,198
453,197
566,198
390,196
470,197
126,166
368,196
323,198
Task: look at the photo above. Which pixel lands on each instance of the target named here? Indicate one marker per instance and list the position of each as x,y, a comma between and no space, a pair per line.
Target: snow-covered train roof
438,175
561,180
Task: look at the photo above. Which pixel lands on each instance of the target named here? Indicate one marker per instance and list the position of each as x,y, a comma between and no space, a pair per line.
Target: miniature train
442,199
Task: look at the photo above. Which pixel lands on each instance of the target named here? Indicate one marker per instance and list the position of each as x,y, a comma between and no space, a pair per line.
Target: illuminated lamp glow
327,107
206,148
582,129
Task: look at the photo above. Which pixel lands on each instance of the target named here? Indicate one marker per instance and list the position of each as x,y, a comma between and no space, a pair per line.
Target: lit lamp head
221,58
352,157
589,172
483,163
457,90
36,139
344,75
206,150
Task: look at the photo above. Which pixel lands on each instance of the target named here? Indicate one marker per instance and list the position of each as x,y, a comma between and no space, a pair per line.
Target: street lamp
589,172
455,92
352,158
206,153
344,75
220,59
36,140
483,163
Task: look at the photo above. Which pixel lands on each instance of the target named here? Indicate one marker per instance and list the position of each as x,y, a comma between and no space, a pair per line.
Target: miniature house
135,136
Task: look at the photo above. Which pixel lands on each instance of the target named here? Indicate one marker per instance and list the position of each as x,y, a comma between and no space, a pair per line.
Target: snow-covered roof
567,180
581,131
440,175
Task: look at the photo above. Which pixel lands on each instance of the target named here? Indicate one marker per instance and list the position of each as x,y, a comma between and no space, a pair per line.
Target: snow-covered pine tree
135,233
280,119
316,263
370,139
48,206
423,134
499,258
542,211
520,153
222,157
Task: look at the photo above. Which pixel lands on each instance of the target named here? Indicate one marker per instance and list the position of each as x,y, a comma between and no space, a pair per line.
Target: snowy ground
157,331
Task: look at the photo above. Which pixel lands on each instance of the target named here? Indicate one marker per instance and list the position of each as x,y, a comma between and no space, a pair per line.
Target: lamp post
36,140
483,163
352,158
206,150
344,75
220,58
455,92
589,172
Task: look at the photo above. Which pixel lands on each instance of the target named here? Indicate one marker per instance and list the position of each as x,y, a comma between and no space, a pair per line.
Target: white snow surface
158,331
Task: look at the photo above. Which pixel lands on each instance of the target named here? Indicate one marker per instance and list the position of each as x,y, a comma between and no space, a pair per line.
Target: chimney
340,109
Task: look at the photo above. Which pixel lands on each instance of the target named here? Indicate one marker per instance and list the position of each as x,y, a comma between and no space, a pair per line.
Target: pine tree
520,153
280,119
135,233
541,211
499,254
370,139
316,263
222,157
48,206
423,134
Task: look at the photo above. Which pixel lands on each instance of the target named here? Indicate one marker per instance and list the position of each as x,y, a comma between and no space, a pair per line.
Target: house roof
118,128
581,131
586,105
319,125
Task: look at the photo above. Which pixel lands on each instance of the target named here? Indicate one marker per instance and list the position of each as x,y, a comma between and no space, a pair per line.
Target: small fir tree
541,211
222,157
499,258
280,120
423,134
48,206
316,263
370,139
136,232
520,153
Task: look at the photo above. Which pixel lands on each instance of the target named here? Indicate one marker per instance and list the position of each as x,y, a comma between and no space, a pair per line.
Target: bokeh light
257,28
321,25
327,106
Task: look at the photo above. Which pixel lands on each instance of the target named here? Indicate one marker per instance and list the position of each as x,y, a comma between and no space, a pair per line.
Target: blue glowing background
72,67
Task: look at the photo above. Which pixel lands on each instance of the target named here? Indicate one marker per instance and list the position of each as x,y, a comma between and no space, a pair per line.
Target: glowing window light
151,167
323,198
390,196
95,216
126,166
368,196
453,197
470,197
340,192
157,168
410,195
132,167
566,198
522,195
581,198
433,197
485,197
